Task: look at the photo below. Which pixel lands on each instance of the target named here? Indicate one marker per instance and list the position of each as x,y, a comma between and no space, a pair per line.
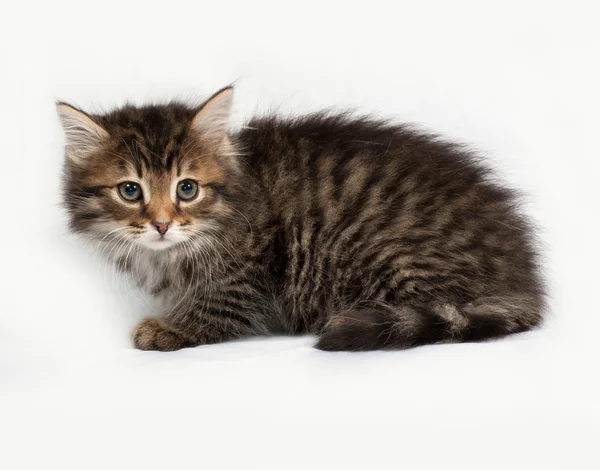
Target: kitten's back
374,213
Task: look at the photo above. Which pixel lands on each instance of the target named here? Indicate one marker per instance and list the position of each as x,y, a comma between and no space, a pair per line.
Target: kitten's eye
187,190
130,191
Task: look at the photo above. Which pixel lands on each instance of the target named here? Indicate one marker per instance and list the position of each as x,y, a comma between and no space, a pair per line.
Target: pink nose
161,227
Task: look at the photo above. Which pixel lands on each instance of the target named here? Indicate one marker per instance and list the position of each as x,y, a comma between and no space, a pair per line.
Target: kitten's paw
342,333
361,330
155,335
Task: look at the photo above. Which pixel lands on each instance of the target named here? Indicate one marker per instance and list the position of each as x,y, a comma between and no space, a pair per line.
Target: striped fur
369,234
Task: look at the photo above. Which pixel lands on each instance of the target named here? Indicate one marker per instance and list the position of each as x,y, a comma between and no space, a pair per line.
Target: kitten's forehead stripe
152,135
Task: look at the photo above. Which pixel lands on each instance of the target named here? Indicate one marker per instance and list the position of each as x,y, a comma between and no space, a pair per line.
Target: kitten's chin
159,244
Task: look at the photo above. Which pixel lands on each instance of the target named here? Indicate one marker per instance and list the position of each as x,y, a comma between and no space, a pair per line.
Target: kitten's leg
160,335
390,327
201,325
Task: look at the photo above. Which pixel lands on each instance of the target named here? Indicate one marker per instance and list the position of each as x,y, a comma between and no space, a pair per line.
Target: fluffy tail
387,327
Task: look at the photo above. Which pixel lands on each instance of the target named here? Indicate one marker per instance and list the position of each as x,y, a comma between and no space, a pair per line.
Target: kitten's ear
213,118
83,134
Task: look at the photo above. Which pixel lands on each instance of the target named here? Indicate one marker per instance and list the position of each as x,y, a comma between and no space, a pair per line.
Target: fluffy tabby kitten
368,234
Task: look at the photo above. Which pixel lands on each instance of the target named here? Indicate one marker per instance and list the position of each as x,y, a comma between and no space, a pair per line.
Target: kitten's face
155,176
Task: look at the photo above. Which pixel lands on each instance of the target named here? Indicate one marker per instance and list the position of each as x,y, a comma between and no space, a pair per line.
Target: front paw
155,335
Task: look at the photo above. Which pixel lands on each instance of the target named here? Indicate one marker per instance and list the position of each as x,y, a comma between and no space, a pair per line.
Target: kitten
368,234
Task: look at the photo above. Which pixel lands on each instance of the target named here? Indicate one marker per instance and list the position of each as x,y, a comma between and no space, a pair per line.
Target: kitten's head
153,175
